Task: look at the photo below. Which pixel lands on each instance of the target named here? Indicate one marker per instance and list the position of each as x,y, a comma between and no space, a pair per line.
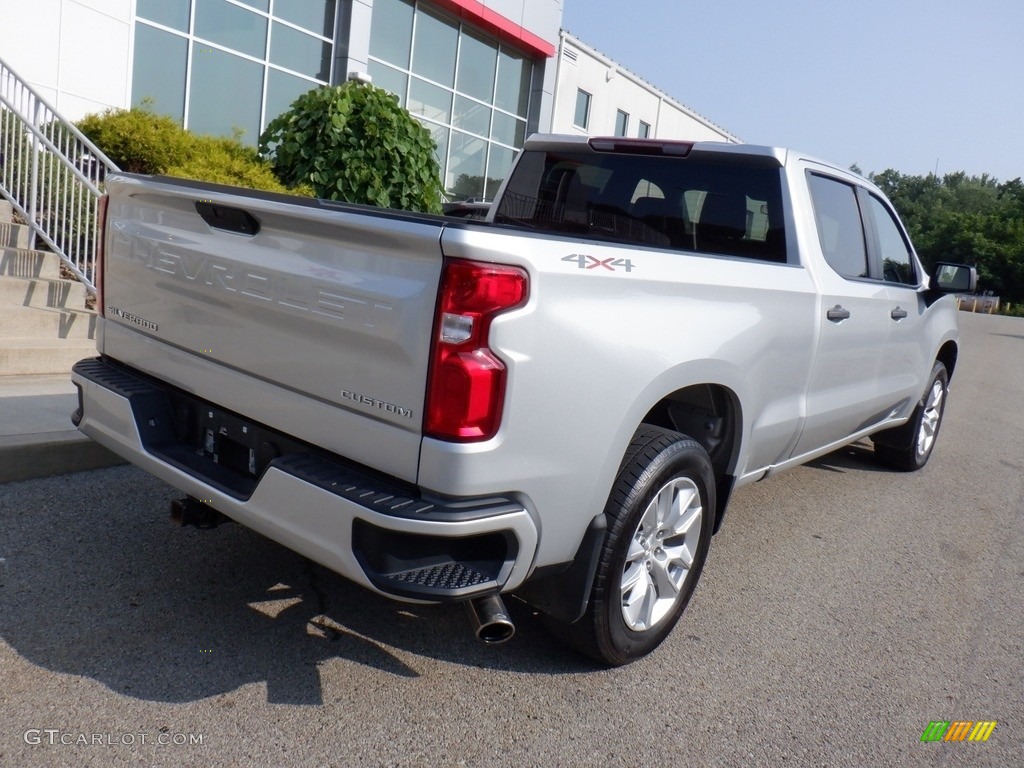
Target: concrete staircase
45,327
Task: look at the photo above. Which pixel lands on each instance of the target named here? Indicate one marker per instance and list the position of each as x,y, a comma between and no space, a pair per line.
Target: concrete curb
28,457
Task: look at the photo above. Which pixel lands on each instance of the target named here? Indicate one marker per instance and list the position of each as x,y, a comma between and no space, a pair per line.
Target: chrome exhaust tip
490,619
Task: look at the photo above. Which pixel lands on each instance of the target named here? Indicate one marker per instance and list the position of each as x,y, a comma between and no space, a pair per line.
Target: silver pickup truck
556,402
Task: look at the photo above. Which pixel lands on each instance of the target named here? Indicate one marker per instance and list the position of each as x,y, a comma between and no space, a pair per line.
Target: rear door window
682,203
840,229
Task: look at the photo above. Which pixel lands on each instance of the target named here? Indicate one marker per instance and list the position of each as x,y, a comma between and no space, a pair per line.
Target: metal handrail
52,175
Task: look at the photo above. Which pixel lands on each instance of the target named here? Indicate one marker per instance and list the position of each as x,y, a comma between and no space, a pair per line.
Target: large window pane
159,74
226,94
314,15
231,26
508,129
170,13
389,79
303,53
466,163
440,134
391,31
497,169
430,101
513,88
434,44
472,116
477,61
282,90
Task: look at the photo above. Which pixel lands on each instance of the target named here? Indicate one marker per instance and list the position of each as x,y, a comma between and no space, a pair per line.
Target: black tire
618,627
909,447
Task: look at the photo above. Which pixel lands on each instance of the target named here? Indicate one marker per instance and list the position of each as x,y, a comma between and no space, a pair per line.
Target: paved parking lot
843,608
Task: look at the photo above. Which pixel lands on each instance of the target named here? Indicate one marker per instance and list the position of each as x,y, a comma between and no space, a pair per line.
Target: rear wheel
909,447
660,518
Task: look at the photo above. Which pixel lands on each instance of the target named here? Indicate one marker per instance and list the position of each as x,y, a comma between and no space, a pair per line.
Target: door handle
898,314
837,314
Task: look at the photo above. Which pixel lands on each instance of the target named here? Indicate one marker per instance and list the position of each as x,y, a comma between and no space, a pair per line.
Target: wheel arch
711,414
562,591
947,355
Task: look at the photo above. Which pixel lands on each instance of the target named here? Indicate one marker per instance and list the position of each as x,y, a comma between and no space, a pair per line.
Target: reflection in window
512,92
472,116
391,32
300,52
441,135
226,94
897,264
508,130
471,92
226,91
839,227
435,42
158,78
498,165
233,27
314,15
466,164
170,13
282,90
430,101
477,62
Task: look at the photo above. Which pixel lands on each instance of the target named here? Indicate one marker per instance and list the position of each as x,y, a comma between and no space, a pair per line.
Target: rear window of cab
680,203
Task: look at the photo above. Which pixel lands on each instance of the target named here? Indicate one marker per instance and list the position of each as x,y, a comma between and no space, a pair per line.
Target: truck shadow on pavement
106,587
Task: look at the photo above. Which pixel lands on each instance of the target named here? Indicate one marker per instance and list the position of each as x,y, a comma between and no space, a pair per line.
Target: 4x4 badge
583,261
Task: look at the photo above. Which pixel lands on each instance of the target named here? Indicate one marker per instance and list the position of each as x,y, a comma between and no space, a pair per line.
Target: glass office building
221,66
469,89
471,75
480,74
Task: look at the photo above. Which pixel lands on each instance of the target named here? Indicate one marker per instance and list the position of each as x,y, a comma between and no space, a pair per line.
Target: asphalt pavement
843,609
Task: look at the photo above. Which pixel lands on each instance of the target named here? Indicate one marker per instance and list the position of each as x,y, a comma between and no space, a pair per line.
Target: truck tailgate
310,317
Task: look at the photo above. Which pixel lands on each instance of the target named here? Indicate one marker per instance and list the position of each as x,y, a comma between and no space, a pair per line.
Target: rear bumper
378,532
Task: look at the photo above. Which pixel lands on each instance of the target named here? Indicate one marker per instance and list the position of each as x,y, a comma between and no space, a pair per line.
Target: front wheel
909,447
660,517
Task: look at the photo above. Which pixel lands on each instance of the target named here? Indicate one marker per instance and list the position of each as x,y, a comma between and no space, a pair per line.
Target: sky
915,86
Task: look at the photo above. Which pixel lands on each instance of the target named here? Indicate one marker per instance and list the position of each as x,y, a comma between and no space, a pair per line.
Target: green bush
353,142
138,141
228,161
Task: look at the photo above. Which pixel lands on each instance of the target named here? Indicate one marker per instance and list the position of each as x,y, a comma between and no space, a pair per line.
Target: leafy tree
353,142
969,219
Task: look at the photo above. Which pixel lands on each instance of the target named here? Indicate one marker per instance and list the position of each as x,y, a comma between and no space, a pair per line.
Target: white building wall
75,53
612,88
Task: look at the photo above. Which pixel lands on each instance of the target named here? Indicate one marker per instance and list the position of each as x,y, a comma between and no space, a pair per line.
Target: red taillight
101,252
466,386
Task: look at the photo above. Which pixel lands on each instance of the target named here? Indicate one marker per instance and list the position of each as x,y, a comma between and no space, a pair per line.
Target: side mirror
954,278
